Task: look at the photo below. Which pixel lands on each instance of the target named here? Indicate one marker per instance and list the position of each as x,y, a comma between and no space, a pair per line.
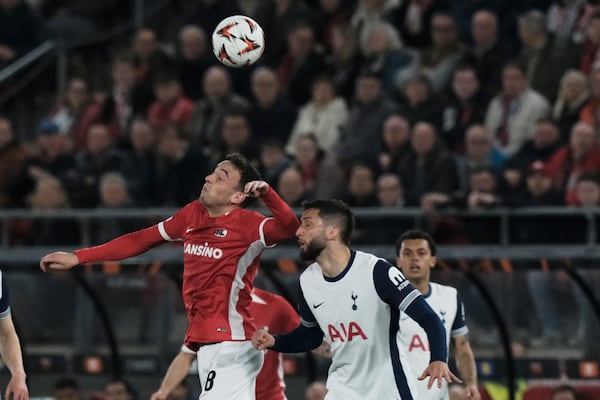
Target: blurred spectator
480,154
541,148
144,157
76,112
466,104
276,17
413,18
483,195
590,51
537,192
437,61
320,172
395,143
573,95
384,54
360,136
587,189
49,195
360,187
565,392
205,122
74,20
20,30
419,102
582,154
236,137
12,157
344,60
316,391
114,194
126,97
273,160
66,389
98,157
368,12
324,116
150,60
562,19
300,64
290,187
171,104
389,190
546,58
430,167
590,111
512,114
331,14
181,168
272,115
193,59
119,389
489,51
208,13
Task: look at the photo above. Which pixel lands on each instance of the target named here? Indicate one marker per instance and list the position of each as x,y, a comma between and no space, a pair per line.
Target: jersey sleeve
283,224
392,287
307,336
173,228
459,326
4,298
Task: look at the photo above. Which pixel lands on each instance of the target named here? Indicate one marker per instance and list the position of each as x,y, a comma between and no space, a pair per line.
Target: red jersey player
272,313
222,243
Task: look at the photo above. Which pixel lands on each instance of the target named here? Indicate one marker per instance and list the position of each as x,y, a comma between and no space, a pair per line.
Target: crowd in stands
413,103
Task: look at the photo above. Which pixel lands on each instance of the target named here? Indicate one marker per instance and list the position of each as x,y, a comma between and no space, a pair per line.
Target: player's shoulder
249,218
443,290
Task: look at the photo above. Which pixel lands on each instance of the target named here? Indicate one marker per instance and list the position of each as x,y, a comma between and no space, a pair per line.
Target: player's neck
333,260
421,285
217,211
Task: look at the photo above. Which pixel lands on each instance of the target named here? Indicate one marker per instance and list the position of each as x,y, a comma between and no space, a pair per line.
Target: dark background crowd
433,104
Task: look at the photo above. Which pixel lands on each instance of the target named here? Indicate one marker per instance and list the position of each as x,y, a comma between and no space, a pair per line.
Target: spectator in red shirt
582,154
171,104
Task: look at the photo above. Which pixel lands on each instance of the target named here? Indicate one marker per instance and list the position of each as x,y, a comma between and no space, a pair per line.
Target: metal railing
504,247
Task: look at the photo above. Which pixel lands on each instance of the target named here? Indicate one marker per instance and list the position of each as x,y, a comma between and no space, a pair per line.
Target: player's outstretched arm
438,371
262,340
58,261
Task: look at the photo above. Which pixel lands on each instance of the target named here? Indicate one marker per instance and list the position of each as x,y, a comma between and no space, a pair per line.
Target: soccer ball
238,41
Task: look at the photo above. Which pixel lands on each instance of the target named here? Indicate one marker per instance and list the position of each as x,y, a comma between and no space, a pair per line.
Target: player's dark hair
415,234
334,212
248,173
65,383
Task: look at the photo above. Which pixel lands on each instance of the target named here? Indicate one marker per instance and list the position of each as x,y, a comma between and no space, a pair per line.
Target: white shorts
228,370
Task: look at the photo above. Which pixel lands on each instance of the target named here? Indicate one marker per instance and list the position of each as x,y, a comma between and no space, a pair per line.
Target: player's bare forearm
465,361
10,350
177,371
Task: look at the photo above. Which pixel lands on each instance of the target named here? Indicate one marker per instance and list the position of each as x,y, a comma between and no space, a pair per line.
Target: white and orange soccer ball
238,41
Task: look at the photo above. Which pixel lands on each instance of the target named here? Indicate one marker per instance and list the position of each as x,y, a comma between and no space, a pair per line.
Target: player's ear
433,261
237,198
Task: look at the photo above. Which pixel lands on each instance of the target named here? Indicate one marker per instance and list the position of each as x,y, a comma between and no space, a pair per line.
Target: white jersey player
415,252
355,299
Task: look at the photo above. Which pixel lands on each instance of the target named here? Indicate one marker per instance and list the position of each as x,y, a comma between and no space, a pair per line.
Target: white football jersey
359,312
446,303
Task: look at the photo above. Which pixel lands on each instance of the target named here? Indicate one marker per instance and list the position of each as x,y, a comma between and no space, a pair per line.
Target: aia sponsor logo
345,332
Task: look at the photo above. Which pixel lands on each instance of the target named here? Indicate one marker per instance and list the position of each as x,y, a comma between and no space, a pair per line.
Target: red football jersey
273,313
221,257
